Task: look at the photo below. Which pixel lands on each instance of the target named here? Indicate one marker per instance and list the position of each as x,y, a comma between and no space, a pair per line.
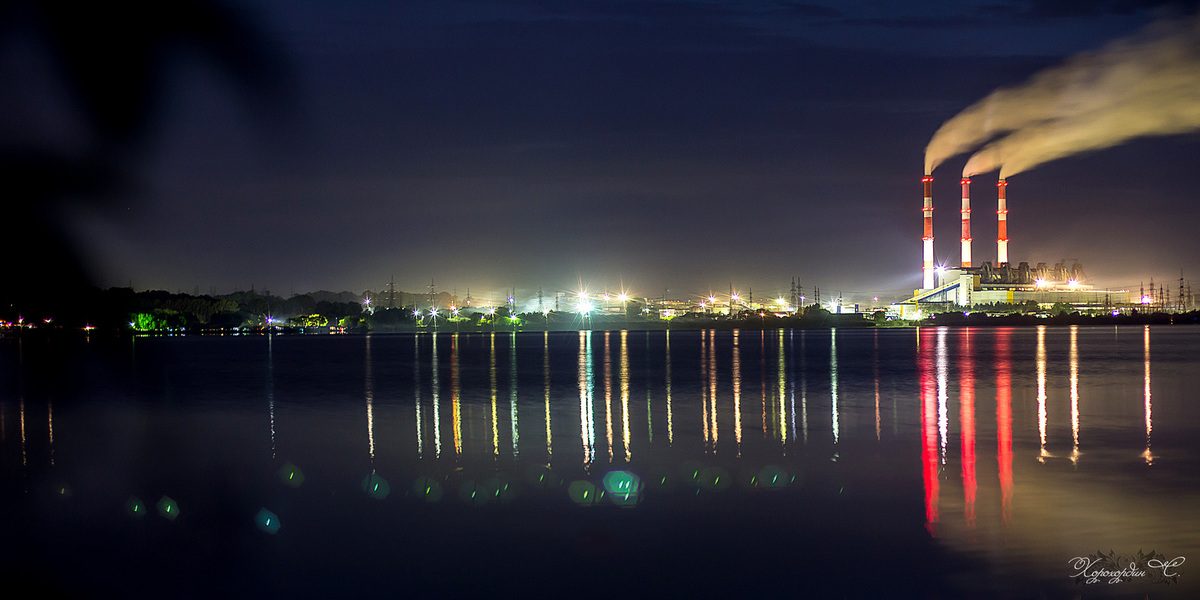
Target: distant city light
583,308
1040,282
622,296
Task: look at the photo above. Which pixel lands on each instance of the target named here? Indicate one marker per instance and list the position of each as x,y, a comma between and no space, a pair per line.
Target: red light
1001,183
966,181
927,179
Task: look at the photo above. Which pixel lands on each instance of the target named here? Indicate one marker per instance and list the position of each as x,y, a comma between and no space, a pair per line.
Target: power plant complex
969,284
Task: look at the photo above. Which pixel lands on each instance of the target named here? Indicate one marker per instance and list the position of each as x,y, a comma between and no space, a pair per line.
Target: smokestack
927,211
966,222
1002,226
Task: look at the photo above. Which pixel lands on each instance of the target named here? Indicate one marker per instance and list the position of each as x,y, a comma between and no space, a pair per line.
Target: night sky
681,145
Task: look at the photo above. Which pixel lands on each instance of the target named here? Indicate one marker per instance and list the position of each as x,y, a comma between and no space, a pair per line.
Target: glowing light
624,487
376,487
734,297
168,508
780,300
622,296
291,475
583,307
491,310
584,493
582,295
1041,283
606,297
267,521
712,299
1073,284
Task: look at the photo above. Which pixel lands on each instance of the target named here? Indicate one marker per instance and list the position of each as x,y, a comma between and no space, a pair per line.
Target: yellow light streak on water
492,379
624,376
670,410
587,432
712,384
736,376
546,393
1074,365
1041,391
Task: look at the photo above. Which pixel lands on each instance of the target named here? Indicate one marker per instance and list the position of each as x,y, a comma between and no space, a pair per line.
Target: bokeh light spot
376,487
772,477
134,507
584,493
624,488
429,489
167,508
291,475
267,521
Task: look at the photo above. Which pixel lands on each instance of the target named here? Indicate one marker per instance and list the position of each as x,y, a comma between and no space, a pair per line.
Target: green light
475,493
624,487
376,487
583,493
167,508
713,478
134,507
291,475
772,477
267,521
427,488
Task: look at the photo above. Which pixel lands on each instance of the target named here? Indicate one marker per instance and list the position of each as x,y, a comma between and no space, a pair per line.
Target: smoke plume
1145,85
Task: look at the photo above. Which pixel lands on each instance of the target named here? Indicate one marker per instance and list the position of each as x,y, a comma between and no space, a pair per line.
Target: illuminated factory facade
985,282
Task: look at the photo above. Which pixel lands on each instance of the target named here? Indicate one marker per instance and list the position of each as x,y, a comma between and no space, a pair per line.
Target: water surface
860,463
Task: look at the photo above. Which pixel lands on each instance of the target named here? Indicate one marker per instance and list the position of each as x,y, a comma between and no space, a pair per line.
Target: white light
622,296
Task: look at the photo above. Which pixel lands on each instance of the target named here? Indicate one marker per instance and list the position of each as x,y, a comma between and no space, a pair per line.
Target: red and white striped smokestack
927,211
966,222
1002,225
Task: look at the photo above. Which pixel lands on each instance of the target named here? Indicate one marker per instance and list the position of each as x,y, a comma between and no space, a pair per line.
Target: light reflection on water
1069,410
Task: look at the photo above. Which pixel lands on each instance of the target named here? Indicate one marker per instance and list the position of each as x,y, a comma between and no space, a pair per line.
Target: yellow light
622,296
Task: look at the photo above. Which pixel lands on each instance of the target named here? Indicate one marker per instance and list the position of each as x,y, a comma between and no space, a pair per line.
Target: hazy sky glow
659,144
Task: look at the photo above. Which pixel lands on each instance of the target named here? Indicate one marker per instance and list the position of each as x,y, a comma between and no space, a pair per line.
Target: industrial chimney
966,222
927,267
1002,225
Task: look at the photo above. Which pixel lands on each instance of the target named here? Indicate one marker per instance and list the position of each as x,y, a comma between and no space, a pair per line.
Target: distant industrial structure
1001,282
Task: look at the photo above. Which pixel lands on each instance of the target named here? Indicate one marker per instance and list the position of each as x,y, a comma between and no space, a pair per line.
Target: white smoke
1145,85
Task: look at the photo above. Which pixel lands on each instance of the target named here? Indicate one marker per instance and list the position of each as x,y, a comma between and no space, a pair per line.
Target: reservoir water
939,462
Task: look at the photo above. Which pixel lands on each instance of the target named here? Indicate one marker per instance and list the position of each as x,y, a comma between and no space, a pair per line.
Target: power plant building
987,283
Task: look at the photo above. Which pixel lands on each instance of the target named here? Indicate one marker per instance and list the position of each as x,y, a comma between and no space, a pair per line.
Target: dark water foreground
931,463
